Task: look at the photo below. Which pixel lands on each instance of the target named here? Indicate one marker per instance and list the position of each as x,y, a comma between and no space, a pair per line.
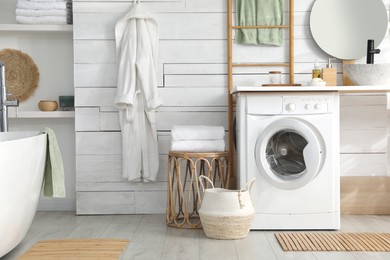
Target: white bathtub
22,161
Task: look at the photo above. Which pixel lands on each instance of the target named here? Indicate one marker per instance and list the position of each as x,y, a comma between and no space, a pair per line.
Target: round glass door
289,153
284,154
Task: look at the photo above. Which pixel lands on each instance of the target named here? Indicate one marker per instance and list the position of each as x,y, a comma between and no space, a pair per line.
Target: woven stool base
189,223
183,194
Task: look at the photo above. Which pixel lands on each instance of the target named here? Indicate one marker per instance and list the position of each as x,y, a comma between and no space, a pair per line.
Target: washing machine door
289,153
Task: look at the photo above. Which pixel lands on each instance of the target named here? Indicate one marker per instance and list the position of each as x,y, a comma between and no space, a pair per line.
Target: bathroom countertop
237,89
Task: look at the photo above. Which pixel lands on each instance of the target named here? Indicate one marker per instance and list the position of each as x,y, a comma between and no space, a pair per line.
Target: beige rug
334,241
76,249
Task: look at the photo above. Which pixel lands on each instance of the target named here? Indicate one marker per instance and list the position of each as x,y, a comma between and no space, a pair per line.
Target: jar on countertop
275,77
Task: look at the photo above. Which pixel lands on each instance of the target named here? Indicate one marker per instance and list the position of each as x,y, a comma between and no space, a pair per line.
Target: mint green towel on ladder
260,12
53,179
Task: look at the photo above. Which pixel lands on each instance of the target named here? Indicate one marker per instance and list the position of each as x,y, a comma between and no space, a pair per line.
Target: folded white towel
41,19
32,12
197,132
198,146
25,4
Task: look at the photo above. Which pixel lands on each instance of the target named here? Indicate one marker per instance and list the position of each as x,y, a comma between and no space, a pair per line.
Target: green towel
260,12
53,179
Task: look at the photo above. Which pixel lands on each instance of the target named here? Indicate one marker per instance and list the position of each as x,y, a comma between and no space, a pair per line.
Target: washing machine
289,141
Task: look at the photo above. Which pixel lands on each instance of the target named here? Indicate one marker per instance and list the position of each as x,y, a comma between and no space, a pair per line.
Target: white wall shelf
51,48
31,28
41,114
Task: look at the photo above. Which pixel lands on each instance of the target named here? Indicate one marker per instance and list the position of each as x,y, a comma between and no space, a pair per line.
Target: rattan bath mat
76,249
327,241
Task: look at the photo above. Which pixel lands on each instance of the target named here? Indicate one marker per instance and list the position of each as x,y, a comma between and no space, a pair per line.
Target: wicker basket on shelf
48,105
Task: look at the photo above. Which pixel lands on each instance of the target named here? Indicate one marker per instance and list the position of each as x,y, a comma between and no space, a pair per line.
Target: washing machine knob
290,107
308,106
318,106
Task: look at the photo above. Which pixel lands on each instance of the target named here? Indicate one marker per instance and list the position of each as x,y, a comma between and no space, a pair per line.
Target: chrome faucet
371,51
4,102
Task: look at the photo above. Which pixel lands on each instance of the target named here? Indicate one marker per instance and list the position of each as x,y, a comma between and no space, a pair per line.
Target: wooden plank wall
365,185
192,81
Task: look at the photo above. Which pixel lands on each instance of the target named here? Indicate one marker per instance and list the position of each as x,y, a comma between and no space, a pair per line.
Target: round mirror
341,28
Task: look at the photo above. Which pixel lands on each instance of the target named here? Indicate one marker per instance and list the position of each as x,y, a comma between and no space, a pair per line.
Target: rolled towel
41,19
25,4
31,12
197,133
198,146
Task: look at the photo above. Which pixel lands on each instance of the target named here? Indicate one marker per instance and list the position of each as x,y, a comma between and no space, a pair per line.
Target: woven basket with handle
226,214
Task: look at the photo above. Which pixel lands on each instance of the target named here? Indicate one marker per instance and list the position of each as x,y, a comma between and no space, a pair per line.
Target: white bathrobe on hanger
136,36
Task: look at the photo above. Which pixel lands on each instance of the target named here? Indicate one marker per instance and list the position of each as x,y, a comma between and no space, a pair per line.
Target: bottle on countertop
316,73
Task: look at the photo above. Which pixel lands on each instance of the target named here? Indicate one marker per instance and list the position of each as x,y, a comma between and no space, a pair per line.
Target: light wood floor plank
150,238
334,256
47,225
370,223
217,249
92,227
181,244
122,227
255,246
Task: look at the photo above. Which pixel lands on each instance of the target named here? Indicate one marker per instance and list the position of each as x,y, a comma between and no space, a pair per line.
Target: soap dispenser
329,74
316,73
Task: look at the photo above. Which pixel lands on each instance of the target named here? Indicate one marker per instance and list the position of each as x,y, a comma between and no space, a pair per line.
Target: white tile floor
150,238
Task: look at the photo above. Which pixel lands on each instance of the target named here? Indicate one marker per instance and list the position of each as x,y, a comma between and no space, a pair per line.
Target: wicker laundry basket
226,214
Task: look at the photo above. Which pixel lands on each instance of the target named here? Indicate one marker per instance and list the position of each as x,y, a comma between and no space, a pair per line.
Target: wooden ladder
289,64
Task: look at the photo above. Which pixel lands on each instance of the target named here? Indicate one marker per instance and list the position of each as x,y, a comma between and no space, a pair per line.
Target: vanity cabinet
51,48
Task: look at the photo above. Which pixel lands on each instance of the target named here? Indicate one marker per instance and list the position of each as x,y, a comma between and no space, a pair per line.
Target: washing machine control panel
306,104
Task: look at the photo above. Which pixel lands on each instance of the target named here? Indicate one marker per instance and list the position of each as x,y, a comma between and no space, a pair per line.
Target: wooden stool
183,197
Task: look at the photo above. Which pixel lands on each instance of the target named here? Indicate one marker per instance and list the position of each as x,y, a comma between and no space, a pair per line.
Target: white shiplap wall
192,80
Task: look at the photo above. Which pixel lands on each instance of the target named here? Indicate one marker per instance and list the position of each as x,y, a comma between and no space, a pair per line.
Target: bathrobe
136,36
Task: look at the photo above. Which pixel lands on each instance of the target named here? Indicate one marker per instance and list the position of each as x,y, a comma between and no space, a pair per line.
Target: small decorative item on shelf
48,105
275,77
66,103
275,80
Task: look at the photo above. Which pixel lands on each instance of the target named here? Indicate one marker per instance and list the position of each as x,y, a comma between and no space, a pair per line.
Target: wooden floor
151,239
